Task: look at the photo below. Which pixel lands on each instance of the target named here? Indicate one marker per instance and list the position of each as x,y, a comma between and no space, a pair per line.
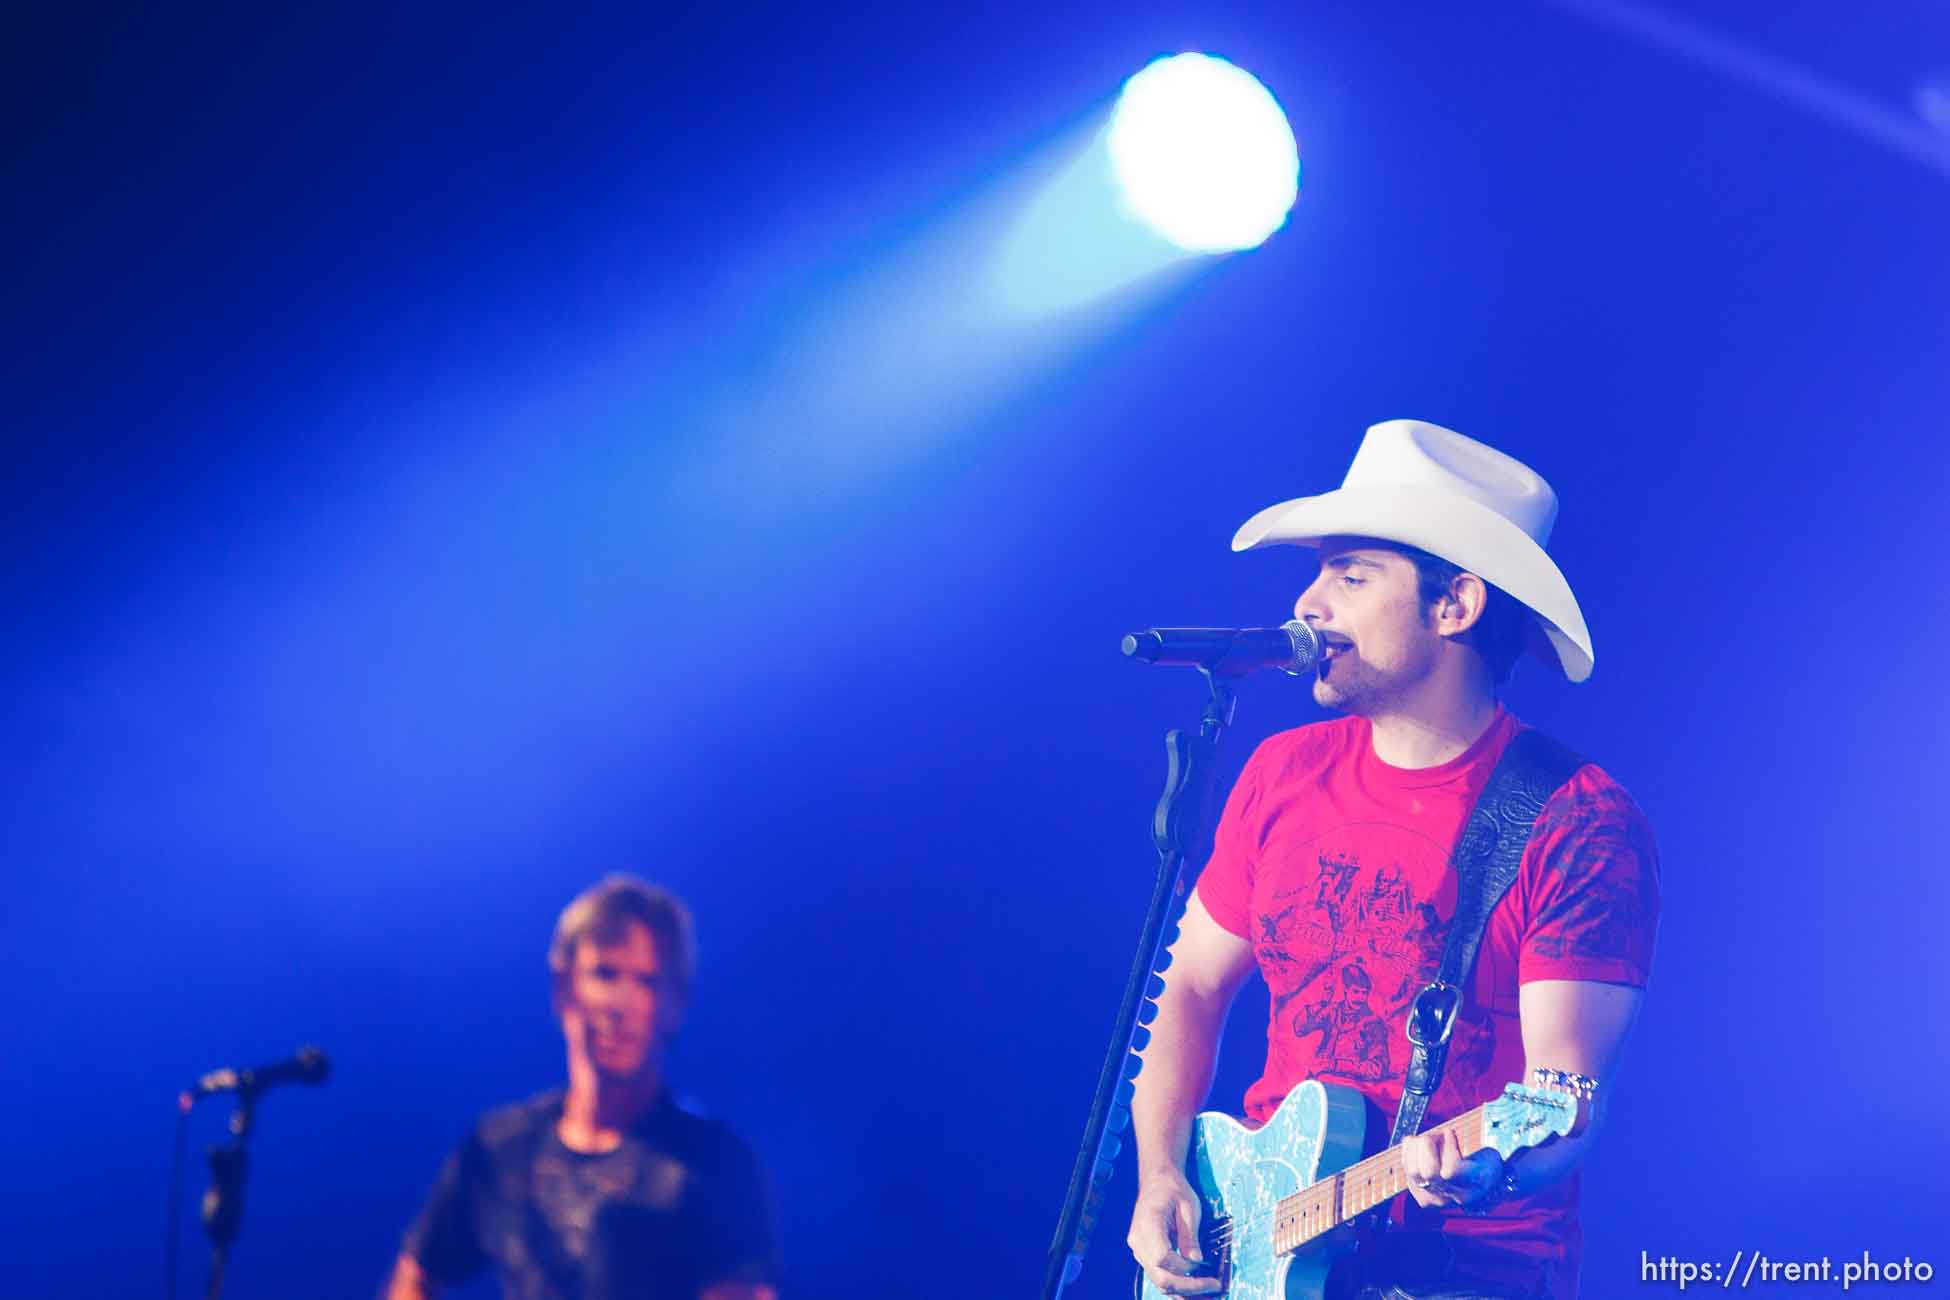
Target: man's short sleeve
1226,886
444,1238
1592,875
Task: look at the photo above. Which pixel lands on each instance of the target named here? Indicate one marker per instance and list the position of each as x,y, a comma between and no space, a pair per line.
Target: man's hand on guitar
1440,1175
1164,1236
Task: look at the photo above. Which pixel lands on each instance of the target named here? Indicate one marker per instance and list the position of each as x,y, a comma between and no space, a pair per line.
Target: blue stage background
405,527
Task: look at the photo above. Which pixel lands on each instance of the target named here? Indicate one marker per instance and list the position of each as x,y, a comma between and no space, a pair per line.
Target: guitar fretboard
1334,1200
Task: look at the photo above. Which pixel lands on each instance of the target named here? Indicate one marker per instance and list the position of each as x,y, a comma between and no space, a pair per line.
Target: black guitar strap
1486,858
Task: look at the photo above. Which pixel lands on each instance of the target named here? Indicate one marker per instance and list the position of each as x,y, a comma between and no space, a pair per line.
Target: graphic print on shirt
1312,926
1345,945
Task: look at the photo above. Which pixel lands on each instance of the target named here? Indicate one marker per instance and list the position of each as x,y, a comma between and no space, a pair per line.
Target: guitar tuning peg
1119,1117
1140,1038
1155,989
1147,1011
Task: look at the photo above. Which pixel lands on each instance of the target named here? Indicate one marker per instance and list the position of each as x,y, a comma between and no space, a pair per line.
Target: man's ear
1462,606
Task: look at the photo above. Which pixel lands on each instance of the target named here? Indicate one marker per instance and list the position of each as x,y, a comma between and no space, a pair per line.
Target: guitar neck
1340,1197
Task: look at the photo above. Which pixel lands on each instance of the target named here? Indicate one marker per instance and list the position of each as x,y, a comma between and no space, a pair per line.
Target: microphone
1230,651
309,1065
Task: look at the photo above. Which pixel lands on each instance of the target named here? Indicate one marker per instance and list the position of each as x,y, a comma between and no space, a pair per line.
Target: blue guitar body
1241,1174
1251,1180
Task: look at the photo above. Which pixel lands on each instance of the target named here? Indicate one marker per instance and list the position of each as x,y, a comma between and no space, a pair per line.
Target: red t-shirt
1335,866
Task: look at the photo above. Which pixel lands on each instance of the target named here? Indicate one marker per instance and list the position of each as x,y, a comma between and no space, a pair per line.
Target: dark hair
1499,635
603,913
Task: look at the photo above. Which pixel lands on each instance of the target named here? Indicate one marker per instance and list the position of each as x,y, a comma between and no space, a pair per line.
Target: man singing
609,1190
1331,874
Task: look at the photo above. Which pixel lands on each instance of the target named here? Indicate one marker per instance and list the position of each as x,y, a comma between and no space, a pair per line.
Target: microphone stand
223,1202
1175,828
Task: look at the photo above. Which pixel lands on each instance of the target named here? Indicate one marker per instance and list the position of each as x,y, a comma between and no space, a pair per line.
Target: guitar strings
1228,1233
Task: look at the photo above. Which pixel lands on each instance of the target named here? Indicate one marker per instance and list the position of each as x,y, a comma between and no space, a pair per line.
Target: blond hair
604,910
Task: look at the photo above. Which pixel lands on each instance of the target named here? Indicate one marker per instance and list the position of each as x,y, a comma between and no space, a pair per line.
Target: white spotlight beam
1832,103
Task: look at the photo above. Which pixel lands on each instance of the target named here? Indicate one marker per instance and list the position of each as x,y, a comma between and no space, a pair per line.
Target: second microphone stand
223,1201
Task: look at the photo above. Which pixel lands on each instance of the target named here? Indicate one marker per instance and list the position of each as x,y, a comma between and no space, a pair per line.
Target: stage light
1203,154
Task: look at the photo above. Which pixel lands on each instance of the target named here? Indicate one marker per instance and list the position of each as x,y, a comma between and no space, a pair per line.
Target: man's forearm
1176,1077
1572,1025
409,1281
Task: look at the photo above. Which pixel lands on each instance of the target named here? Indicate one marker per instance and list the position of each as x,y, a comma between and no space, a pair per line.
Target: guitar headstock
1557,1104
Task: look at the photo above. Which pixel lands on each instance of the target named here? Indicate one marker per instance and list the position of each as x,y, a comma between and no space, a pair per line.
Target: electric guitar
1271,1194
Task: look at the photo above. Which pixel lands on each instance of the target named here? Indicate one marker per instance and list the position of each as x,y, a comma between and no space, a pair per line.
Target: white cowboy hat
1431,488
